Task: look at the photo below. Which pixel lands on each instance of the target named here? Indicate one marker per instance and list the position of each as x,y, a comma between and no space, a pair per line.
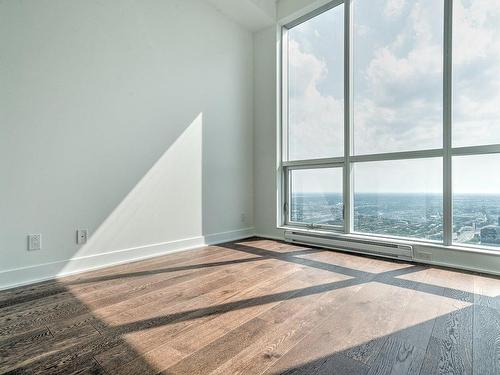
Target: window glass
397,75
316,196
397,82
400,198
315,85
476,200
476,72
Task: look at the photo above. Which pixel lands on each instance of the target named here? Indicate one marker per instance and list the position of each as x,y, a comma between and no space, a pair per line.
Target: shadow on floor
70,338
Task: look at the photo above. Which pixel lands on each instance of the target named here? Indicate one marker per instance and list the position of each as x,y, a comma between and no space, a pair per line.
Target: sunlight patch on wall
148,215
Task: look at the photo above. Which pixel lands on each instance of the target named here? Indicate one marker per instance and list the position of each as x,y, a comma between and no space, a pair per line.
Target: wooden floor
251,307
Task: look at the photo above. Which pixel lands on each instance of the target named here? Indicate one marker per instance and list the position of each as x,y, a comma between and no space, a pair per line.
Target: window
397,75
476,200
391,120
315,87
476,123
316,197
402,198
314,108
476,72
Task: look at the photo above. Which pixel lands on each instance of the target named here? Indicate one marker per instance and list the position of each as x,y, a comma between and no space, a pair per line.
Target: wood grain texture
255,306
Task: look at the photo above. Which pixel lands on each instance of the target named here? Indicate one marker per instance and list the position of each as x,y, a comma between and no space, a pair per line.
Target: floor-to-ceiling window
476,122
315,120
391,120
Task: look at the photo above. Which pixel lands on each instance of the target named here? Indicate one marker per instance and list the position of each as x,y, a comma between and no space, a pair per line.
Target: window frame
346,162
296,224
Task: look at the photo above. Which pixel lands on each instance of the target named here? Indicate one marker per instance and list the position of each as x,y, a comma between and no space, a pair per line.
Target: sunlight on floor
339,292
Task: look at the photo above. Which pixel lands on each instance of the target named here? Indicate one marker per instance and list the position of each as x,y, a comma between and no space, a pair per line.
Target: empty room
250,187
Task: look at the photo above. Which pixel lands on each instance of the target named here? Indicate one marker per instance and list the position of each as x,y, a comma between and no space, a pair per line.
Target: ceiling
251,14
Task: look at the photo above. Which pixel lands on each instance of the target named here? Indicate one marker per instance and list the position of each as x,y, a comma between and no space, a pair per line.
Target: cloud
398,80
475,29
398,84
394,8
398,90
476,66
316,120
422,59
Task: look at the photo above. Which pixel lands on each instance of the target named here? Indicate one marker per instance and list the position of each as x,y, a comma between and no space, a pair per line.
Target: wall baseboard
48,271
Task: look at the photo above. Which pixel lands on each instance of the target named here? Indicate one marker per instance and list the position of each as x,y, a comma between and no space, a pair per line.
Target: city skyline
476,218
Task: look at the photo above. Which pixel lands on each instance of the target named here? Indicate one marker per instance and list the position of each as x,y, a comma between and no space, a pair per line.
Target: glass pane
316,87
476,200
316,196
476,72
397,75
400,198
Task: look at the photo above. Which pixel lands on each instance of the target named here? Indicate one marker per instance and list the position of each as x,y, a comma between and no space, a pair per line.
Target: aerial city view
476,218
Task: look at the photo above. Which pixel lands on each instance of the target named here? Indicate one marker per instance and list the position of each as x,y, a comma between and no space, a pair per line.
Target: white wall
265,116
252,14
131,119
265,154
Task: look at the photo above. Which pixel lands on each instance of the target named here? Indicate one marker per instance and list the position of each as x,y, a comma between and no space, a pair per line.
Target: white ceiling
251,14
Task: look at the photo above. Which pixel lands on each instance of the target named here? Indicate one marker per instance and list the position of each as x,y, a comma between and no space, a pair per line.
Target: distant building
490,234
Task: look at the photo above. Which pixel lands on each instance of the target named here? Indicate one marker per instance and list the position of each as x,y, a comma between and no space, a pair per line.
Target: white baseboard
41,272
212,239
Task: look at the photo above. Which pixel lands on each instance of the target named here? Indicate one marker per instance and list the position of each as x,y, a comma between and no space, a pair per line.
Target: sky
397,89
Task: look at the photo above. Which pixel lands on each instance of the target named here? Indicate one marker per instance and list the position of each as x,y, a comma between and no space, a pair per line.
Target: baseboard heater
380,248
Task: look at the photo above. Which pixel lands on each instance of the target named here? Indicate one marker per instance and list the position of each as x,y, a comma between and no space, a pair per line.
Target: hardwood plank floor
255,306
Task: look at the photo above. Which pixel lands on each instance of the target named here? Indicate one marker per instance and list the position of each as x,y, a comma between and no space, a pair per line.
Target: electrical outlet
34,242
81,236
243,218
